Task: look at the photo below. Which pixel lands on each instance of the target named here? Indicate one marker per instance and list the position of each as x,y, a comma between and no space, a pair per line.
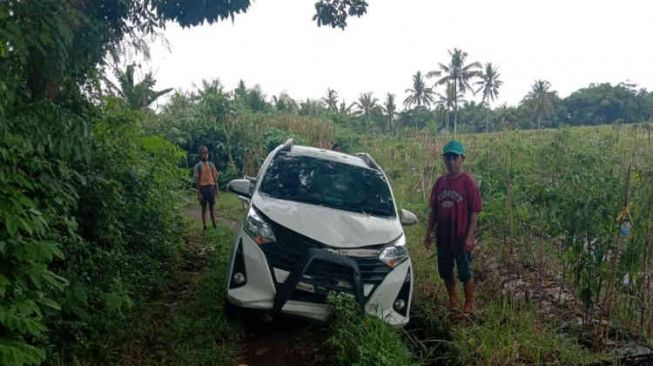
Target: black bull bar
285,290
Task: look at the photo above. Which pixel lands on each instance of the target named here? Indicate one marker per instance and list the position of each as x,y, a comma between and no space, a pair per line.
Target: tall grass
358,339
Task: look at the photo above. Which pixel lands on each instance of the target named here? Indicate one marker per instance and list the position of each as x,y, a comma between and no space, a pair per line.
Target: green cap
454,147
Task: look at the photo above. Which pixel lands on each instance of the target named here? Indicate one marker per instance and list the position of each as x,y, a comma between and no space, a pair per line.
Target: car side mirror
407,218
241,187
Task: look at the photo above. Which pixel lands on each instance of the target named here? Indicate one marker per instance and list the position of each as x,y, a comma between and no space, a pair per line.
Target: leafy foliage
137,95
335,12
359,339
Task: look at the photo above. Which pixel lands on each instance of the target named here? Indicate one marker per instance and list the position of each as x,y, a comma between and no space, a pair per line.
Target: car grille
289,250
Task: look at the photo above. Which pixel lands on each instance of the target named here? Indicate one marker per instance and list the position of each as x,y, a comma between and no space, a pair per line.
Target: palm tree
366,104
458,74
419,95
540,99
506,117
344,108
390,109
367,108
489,86
449,101
241,90
137,95
284,103
331,100
311,108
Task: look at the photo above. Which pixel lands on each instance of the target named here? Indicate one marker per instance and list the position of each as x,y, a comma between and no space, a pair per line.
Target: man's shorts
207,196
446,259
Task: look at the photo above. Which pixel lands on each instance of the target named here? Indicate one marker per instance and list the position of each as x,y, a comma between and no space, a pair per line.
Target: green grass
199,334
185,323
358,339
230,207
510,334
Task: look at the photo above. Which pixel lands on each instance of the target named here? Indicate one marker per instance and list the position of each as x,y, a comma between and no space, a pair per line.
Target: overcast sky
570,43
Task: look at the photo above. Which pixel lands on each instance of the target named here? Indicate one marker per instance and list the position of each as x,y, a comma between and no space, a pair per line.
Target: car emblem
334,251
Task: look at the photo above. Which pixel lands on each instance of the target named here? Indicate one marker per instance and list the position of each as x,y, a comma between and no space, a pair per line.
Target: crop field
557,280
554,272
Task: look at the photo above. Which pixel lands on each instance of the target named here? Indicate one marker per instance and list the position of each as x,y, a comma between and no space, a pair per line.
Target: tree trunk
455,118
455,107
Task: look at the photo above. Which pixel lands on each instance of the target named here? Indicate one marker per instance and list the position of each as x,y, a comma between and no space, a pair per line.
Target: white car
320,221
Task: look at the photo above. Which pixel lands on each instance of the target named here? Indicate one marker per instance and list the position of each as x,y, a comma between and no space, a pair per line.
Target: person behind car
206,184
336,147
455,203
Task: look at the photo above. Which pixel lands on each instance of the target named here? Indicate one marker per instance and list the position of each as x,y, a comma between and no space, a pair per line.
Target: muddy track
282,341
279,341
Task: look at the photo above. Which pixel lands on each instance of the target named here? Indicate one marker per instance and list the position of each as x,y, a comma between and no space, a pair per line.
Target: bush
359,339
89,226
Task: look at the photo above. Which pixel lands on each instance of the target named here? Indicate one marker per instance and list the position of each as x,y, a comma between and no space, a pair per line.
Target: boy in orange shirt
206,184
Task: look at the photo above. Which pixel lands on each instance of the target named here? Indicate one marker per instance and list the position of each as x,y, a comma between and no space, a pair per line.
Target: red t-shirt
452,202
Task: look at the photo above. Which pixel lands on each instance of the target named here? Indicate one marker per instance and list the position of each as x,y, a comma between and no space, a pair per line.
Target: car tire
231,311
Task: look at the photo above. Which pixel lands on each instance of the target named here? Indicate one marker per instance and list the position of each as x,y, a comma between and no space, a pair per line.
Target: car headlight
257,228
394,253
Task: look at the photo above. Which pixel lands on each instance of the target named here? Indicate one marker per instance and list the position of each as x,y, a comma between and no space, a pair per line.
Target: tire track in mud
278,341
281,341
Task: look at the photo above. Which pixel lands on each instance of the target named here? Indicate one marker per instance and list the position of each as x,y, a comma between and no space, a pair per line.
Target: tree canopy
52,48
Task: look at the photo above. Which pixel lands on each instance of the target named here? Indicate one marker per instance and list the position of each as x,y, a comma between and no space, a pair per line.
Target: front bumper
295,284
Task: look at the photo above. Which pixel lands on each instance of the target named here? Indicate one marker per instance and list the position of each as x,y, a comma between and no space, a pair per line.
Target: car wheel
231,311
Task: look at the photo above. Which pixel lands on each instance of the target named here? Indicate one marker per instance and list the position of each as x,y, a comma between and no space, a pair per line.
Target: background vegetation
92,184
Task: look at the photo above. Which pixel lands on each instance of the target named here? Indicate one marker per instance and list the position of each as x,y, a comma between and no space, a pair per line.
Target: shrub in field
89,226
127,217
358,339
37,198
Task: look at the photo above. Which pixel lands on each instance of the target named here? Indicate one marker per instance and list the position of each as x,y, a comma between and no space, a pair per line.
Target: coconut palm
366,104
448,100
137,95
419,95
506,117
331,100
458,74
540,99
489,86
367,108
284,103
311,108
390,109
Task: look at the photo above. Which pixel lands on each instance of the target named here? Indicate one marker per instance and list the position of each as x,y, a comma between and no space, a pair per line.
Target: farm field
552,268
533,275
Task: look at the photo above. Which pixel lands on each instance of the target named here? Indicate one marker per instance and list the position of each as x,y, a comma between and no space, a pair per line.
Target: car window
328,183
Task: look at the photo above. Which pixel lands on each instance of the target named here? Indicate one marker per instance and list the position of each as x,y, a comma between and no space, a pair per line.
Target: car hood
333,227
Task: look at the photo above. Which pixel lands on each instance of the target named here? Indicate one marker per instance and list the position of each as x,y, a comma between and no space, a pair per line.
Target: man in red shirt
455,204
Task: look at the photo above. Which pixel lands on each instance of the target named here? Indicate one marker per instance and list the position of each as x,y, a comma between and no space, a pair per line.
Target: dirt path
282,341
149,347
196,215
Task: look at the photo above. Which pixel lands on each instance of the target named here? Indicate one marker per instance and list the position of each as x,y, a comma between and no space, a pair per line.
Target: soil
281,341
557,303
